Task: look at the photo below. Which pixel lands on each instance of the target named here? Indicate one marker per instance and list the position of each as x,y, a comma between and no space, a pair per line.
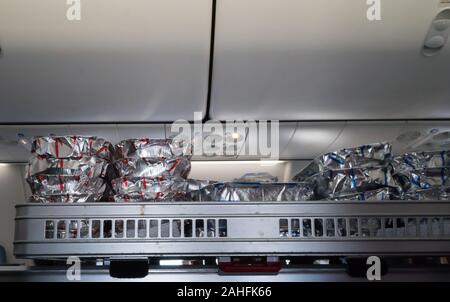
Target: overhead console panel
316,60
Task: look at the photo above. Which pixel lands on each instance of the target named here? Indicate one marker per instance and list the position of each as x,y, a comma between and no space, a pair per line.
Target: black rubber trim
357,267
136,268
211,60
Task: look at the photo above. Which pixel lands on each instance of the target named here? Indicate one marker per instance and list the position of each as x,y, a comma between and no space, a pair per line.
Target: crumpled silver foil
422,173
90,166
177,167
132,189
69,169
378,194
429,194
72,147
45,185
421,160
357,157
64,198
153,148
424,179
246,191
352,180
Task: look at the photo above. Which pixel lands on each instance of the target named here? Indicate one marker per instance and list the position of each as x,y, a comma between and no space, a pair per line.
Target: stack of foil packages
423,175
371,172
153,169
360,173
70,169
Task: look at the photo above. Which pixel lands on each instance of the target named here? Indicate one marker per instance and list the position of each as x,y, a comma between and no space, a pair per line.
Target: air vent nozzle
437,35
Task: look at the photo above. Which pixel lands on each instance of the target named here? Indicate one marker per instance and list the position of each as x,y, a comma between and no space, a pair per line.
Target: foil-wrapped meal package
243,191
421,160
72,147
90,166
176,167
70,169
45,184
353,180
357,157
65,198
423,179
372,195
287,192
129,189
429,194
153,148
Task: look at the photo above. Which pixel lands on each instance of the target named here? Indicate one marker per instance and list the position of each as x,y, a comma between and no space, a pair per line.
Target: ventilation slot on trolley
386,227
135,228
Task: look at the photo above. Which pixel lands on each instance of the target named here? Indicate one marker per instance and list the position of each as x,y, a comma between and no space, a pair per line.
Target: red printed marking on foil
101,150
175,164
124,182
57,148
61,186
91,141
144,183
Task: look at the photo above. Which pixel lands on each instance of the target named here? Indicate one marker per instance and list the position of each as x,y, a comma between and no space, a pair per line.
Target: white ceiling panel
124,61
312,139
362,133
323,60
141,131
286,133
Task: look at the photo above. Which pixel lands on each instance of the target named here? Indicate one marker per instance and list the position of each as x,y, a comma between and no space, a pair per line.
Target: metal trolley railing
232,228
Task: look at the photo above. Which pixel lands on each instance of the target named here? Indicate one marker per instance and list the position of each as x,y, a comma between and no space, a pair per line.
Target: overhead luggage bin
310,60
123,61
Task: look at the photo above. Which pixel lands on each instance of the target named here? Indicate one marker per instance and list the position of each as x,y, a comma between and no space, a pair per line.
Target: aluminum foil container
64,198
91,166
68,179
153,148
421,160
429,194
45,184
177,167
378,194
357,157
424,179
72,147
128,189
257,177
353,180
242,191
